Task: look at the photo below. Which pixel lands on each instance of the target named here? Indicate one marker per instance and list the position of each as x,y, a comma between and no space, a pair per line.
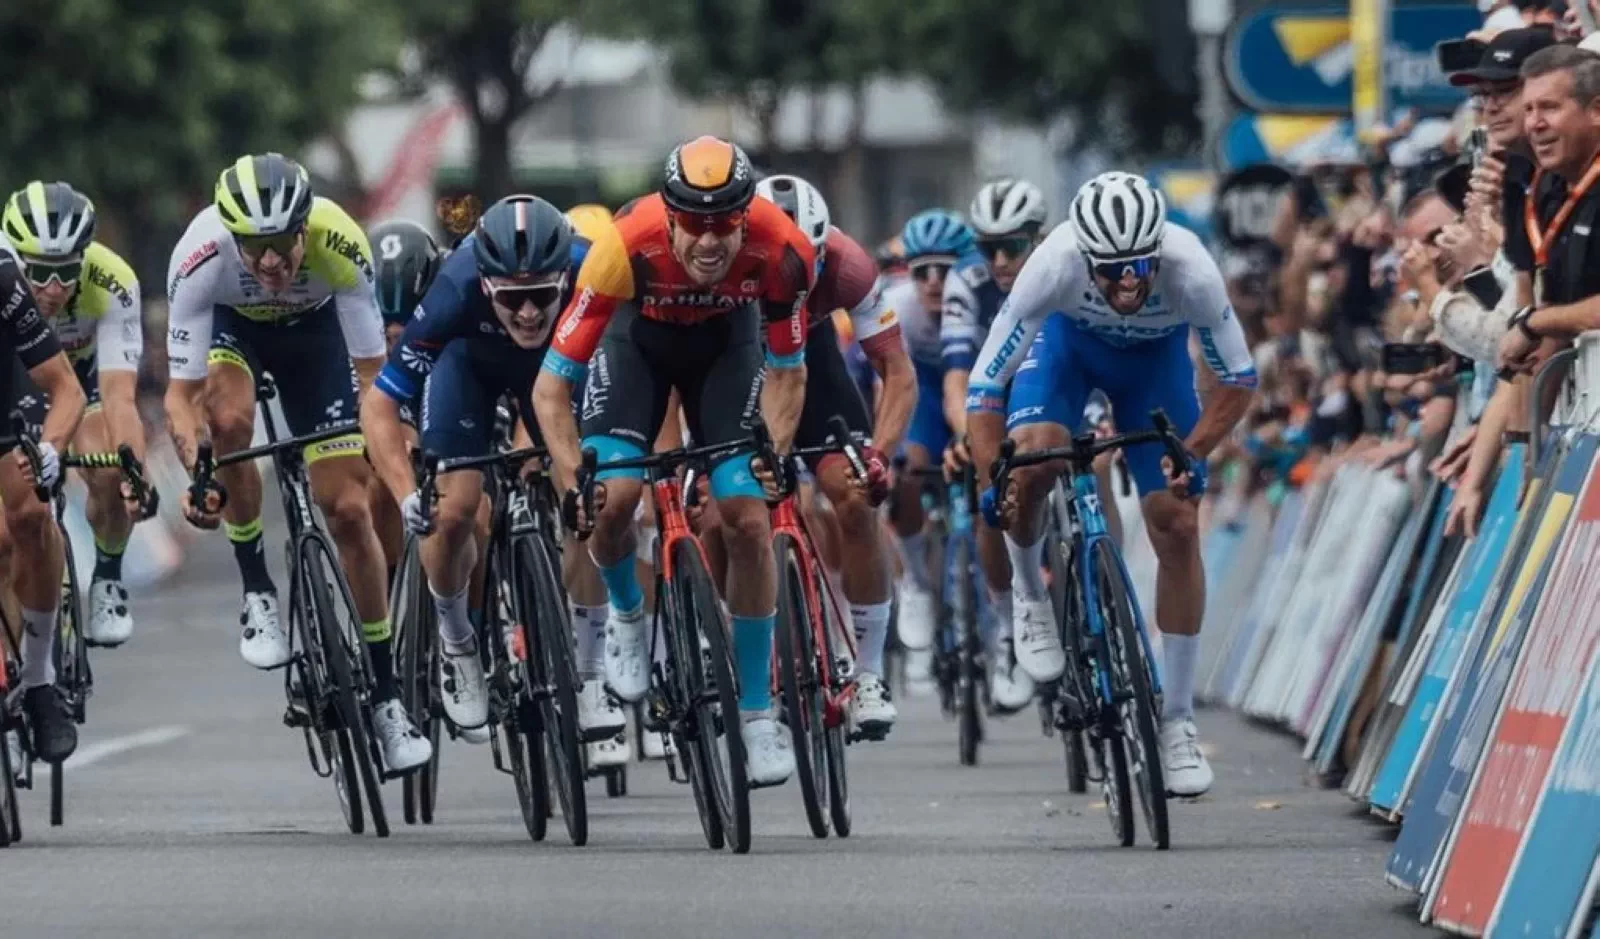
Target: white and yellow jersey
103,320
206,271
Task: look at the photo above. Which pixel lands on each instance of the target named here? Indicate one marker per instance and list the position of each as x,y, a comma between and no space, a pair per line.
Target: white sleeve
1036,294
872,317
1209,311
119,339
191,294
959,332
360,321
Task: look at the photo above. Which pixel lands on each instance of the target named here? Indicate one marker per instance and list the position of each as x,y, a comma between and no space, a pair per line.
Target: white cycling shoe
612,751
404,748
462,688
1035,641
872,714
1011,687
477,736
919,673
599,716
627,658
110,623
1188,773
766,751
658,746
263,642
917,617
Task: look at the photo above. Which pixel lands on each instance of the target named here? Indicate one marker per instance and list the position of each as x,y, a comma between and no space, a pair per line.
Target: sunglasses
514,296
1013,247
1141,268
256,246
724,223
927,271
41,273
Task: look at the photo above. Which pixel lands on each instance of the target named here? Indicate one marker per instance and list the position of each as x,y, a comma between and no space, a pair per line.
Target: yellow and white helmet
48,220
268,194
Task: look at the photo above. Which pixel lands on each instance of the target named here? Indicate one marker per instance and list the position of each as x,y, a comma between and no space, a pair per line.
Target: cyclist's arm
119,341
784,394
362,325
191,289
959,334
876,326
36,345
1226,354
438,320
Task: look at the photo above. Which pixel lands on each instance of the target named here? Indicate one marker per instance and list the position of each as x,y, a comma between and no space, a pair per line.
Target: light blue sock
752,653
622,585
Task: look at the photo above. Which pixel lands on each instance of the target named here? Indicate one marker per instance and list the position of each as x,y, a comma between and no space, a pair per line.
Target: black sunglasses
929,271
514,296
1014,246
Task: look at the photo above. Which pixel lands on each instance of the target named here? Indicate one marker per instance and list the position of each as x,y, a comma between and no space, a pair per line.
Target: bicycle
328,679
693,694
416,665
813,671
958,661
532,675
74,677
1110,690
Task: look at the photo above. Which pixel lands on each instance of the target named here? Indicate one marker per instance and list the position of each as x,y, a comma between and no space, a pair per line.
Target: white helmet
1007,205
1118,215
800,201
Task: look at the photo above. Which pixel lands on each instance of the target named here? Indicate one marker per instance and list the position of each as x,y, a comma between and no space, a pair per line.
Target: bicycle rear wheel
716,706
836,735
414,649
802,702
967,677
1064,597
1140,726
326,731
552,677
340,644
10,820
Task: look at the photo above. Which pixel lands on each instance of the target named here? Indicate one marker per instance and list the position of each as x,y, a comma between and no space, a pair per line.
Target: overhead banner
1539,703
1289,139
1295,60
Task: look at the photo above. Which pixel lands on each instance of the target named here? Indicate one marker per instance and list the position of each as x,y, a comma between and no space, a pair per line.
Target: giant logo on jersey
1007,349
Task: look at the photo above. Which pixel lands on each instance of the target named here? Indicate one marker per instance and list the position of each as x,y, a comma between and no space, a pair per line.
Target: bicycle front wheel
1064,597
71,655
10,818
414,652
968,677
1140,726
802,702
552,678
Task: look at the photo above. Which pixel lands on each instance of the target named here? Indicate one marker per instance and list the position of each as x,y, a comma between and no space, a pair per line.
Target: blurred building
603,135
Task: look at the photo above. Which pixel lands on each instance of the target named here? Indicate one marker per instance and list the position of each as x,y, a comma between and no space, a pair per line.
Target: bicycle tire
1117,788
684,678
1063,596
72,668
10,820
558,672
337,645
837,736
413,652
1128,658
718,707
797,667
969,719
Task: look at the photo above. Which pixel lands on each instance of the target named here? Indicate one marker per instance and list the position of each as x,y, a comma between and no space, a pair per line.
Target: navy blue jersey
455,309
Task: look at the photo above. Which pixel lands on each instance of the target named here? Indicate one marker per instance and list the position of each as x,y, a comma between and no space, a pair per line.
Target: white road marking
91,753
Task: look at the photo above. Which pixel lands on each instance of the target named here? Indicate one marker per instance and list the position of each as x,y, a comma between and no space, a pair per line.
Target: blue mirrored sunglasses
1141,268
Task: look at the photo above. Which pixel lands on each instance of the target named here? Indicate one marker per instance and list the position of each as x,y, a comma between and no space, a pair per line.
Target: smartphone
1477,144
1309,199
1410,358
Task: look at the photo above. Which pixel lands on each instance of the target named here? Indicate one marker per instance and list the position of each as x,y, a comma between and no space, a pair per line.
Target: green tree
485,50
140,103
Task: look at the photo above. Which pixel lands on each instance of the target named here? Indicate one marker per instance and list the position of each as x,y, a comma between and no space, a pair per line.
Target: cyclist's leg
110,622
1046,398
721,395
1173,525
230,401
1097,416
38,585
925,443
624,404
30,401
385,512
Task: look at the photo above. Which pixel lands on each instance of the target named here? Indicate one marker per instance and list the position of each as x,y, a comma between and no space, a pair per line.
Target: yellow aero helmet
589,220
48,220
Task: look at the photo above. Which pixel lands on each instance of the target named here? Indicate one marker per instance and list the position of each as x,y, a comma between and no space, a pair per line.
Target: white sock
455,626
1177,676
871,622
589,633
1027,569
998,624
915,549
38,642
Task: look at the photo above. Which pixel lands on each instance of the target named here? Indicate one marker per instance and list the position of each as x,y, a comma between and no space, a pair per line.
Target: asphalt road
191,811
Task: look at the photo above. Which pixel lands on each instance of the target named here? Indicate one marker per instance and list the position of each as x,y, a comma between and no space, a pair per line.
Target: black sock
107,566
251,557
382,653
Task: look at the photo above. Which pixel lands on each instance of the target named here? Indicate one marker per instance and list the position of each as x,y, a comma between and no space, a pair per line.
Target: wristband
1520,320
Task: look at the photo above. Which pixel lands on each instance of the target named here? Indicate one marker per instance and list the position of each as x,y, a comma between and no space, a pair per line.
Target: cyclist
675,297
30,344
271,278
1130,286
934,242
90,298
845,276
481,332
1008,216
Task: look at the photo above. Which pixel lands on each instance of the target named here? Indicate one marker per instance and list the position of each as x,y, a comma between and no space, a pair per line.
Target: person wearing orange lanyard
1559,293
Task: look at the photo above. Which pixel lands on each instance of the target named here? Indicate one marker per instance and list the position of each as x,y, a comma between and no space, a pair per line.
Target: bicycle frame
787,519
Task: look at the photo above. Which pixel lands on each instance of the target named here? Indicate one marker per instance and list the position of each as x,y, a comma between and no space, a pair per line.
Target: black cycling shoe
55,736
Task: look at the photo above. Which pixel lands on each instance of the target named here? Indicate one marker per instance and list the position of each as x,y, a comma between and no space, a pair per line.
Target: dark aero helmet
522,236
407,259
708,176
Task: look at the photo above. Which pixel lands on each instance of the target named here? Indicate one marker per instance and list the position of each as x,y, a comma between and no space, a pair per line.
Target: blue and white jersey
919,326
1188,292
972,300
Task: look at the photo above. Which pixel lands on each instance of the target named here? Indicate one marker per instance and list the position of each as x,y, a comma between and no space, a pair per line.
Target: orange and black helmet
708,176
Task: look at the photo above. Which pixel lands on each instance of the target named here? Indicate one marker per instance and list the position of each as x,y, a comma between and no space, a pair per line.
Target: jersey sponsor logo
695,298
108,282
570,324
176,334
189,265
350,250
1007,350
886,317
419,362
18,294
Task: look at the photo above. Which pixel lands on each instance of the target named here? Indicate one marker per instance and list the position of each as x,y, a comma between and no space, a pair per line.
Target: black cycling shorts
830,390
306,355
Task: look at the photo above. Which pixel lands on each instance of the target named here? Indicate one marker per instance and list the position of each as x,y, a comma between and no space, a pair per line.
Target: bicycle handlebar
1082,450
132,472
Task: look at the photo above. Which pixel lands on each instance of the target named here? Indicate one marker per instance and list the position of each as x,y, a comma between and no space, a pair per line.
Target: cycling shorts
716,366
929,429
28,398
830,390
1065,364
460,397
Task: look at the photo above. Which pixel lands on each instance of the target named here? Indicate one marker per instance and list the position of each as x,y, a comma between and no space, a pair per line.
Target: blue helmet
936,231
522,235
